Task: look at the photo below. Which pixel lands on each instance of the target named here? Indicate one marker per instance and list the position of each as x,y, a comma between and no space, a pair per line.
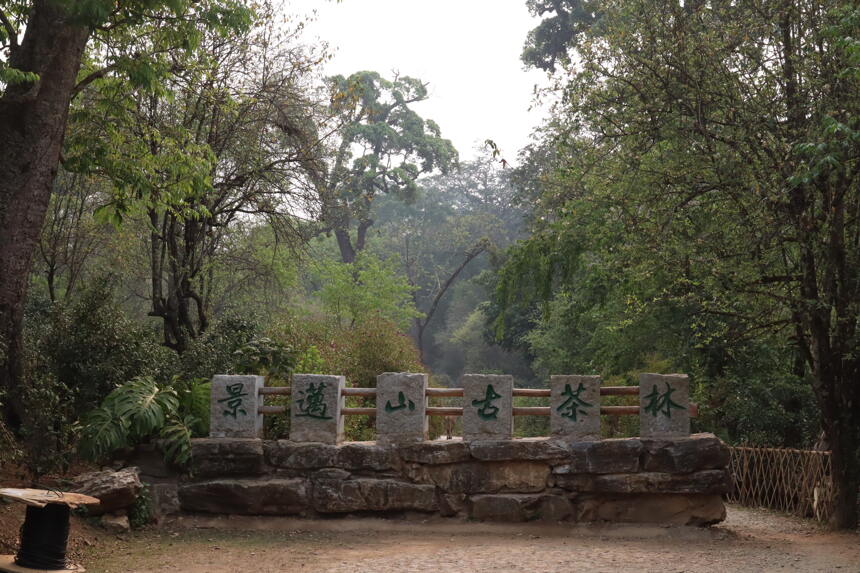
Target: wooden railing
458,392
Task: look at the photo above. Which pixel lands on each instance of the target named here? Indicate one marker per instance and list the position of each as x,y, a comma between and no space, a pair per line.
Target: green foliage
141,513
356,292
177,434
141,410
47,433
90,344
263,355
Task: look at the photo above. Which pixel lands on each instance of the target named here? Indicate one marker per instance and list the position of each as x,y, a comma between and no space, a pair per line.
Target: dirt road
748,541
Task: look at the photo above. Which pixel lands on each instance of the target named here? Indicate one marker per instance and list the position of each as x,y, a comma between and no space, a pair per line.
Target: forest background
219,206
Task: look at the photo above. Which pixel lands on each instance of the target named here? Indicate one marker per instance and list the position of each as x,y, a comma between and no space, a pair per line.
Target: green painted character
401,403
312,404
571,407
487,411
234,399
661,403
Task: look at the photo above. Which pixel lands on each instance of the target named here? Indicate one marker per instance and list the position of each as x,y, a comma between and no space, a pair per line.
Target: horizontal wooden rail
454,411
458,392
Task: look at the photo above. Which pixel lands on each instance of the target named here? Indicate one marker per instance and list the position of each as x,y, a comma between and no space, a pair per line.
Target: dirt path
748,541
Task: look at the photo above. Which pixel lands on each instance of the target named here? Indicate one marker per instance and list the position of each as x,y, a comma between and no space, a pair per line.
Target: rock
497,508
577,460
437,452
234,402
704,482
338,496
115,490
614,456
115,523
165,498
222,457
669,509
366,456
485,477
246,496
549,507
521,449
684,455
330,473
300,456
519,507
451,504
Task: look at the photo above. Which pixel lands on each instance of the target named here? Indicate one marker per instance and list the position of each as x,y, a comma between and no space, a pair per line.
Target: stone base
7,565
675,481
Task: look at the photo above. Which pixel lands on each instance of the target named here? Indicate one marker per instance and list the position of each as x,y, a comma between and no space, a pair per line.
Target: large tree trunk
32,125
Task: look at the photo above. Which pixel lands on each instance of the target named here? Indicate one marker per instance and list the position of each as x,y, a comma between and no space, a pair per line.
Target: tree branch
10,30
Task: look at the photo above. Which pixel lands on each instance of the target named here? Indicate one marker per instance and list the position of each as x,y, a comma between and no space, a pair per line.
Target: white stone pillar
487,407
664,405
574,407
234,407
401,407
315,412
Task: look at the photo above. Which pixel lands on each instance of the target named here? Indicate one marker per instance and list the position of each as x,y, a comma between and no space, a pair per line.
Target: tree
232,135
721,140
384,147
42,43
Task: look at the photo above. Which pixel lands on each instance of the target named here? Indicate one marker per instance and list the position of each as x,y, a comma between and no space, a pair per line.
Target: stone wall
646,480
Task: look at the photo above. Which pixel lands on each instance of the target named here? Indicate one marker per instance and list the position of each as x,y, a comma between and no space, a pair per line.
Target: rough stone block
485,477
401,407
487,407
438,452
357,456
520,507
234,404
300,456
521,449
248,497
114,490
684,455
614,456
220,457
575,407
346,496
497,508
315,408
165,498
668,509
664,405
702,482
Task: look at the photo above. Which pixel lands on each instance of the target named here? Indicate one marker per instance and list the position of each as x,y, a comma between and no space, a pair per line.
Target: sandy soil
749,540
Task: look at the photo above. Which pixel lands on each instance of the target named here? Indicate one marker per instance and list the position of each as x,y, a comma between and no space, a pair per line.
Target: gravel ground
749,540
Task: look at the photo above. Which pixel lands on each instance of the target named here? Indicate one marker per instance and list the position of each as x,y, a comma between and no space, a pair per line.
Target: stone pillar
664,405
233,407
401,407
487,407
315,408
574,407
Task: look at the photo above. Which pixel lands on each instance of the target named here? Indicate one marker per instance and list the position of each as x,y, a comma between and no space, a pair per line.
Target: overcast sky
467,50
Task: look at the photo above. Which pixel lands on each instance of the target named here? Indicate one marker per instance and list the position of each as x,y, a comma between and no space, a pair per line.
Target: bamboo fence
788,480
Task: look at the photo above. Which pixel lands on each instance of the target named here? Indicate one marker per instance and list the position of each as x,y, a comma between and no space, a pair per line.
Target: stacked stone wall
646,480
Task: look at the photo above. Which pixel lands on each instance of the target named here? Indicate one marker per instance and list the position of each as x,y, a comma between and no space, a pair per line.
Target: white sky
467,50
